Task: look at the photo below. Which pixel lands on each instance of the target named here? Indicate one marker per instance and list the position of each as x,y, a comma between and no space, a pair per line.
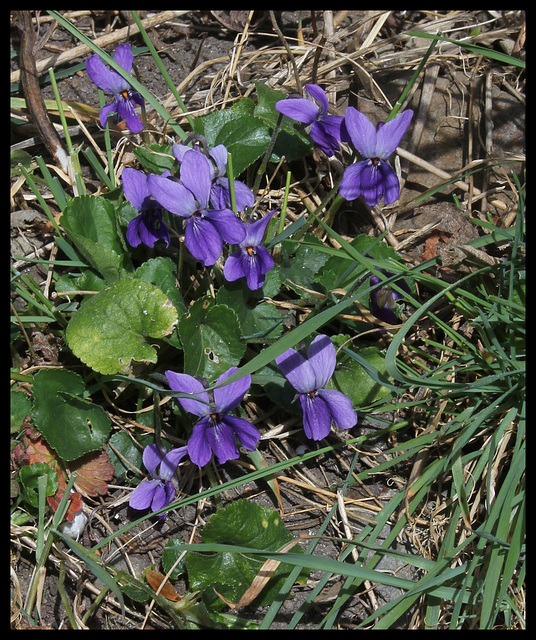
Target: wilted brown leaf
33,448
93,472
155,579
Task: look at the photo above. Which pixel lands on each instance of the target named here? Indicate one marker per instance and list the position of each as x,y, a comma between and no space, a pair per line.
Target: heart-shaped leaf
156,158
246,524
70,424
245,136
110,329
259,321
29,478
352,378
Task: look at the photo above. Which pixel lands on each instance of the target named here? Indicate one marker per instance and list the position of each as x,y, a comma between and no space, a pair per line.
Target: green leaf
162,272
127,452
88,281
245,136
241,523
70,424
210,334
259,321
29,478
21,406
170,556
110,329
300,266
361,386
291,141
156,158
90,223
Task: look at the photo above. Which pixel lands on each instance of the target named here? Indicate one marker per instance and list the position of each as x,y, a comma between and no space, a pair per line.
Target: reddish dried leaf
155,579
75,504
93,472
430,250
34,448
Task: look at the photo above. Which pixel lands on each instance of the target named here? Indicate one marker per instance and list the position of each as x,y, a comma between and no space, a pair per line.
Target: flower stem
262,168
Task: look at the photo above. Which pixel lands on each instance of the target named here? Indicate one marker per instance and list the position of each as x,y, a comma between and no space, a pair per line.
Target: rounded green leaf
71,425
110,329
244,524
352,378
210,335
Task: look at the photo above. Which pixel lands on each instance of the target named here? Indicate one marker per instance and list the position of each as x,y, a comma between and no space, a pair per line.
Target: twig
289,51
32,91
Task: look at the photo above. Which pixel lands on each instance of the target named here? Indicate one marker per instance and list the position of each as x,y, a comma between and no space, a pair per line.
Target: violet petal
299,109
297,371
316,417
199,449
340,407
322,358
230,395
188,384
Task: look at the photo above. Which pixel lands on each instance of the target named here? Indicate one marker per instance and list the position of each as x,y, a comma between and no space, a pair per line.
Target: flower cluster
216,432
219,432
372,177
201,196
214,211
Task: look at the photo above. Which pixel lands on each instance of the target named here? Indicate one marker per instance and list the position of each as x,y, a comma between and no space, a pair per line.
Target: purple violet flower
325,129
148,227
220,195
217,431
160,490
205,229
320,406
383,300
125,98
252,260
373,177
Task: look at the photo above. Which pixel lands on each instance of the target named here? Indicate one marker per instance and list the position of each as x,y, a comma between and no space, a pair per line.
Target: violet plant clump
160,490
125,98
373,177
205,228
309,376
218,431
326,130
148,226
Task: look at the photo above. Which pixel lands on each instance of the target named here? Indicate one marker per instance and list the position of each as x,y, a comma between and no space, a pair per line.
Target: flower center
375,161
